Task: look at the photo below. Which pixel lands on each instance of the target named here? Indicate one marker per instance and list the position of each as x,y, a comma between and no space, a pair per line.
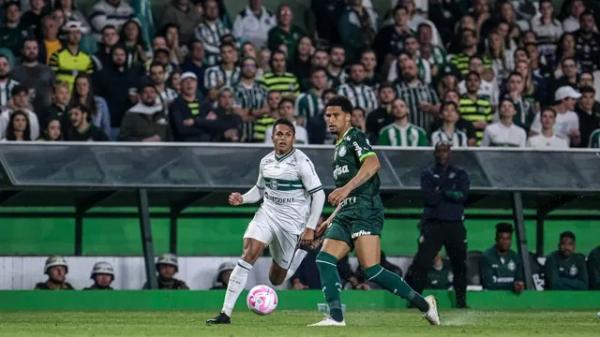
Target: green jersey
440,279
595,139
499,271
566,273
594,268
350,152
407,136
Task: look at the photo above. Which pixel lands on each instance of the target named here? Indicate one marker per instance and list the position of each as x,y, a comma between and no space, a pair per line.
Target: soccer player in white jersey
293,199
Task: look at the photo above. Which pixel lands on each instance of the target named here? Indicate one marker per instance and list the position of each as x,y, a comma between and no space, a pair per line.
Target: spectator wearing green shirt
565,269
500,267
440,274
310,104
285,35
279,79
593,266
12,32
357,27
401,133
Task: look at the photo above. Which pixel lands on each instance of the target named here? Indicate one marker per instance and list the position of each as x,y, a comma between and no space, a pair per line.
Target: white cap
74,25
188,74
566,92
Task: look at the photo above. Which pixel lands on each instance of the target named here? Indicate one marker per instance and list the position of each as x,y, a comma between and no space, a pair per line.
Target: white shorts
281,243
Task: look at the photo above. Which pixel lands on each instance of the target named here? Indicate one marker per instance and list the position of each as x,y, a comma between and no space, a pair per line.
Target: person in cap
57,269
188,122
223,274
167,267
445,189
103,275
70,60
567,121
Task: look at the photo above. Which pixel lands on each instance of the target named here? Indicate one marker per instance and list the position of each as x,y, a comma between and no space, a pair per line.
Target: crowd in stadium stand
472,72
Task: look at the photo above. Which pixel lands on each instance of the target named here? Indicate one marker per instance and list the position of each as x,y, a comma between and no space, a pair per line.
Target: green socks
331,284
395,284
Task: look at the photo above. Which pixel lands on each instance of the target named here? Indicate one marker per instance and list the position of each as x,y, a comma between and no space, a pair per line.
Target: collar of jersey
342,138
282,158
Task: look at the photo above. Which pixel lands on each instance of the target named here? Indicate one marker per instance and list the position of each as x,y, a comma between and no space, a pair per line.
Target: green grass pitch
463,323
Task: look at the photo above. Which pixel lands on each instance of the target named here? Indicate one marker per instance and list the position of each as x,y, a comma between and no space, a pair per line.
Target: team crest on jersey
342,151
573,270
511,266
273,184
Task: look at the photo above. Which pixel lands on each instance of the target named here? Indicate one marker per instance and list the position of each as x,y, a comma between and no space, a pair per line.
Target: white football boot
432,315
328,321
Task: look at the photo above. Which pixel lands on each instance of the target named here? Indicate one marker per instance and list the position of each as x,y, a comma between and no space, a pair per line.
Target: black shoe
221,319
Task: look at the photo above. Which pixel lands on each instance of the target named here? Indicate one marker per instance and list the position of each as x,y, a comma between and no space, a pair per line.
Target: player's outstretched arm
255,194
367,170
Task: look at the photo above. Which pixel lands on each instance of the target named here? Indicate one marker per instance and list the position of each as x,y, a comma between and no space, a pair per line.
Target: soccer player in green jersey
358,219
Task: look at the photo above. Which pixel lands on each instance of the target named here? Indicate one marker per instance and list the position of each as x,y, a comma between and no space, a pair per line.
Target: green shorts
360,216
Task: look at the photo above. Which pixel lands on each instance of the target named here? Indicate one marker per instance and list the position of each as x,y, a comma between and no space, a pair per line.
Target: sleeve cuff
368,154
315,190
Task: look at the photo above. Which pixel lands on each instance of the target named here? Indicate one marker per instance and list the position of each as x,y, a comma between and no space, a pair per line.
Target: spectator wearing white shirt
505,133
567,121
19,102
286,111
547,139
253,24
109,12
448,133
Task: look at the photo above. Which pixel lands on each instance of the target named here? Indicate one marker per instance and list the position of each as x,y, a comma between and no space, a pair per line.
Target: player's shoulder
268,158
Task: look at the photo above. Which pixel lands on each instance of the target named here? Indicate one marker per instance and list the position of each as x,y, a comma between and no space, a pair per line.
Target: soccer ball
262,300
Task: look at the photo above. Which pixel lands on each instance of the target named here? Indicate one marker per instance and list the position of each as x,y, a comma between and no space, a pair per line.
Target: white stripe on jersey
288,183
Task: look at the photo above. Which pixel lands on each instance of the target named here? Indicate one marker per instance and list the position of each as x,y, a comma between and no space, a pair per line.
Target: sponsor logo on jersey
573,270
342,151
278,200
340,170
360,233
348,201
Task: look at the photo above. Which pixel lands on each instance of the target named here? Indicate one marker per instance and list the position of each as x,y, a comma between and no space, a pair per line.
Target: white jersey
288,183
542,142
565,122
498,134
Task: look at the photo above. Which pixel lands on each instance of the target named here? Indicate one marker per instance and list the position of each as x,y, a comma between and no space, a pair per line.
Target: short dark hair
567,234
504,227
341,101
386,85
474,73
156,64
318,69
587,89
17,89
107,27
283,121
548,108
227,44
448,103
286,99
328,91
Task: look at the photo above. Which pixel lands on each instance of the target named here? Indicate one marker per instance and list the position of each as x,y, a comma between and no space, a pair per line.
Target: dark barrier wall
227,166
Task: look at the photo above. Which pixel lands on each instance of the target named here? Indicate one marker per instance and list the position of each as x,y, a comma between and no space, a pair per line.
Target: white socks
299,255
237,282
